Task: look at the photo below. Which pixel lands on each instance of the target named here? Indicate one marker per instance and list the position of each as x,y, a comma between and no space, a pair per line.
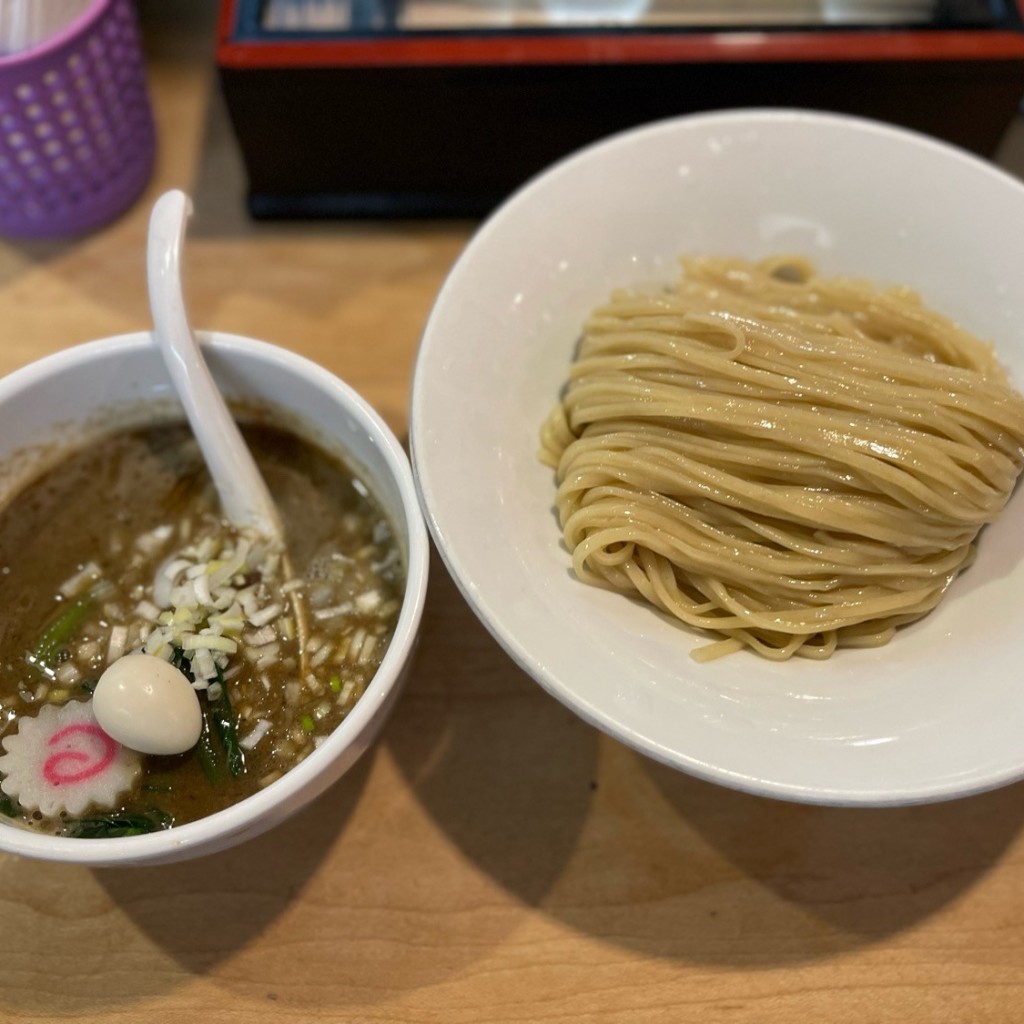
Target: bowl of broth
666,451
113,552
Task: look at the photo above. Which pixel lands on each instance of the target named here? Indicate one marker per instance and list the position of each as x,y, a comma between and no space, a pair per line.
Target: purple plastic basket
76,128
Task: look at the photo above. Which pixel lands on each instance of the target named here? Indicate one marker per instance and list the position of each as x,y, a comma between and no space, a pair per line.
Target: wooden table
492,858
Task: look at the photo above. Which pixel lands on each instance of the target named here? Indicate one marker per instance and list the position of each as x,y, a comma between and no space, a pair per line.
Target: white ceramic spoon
244,496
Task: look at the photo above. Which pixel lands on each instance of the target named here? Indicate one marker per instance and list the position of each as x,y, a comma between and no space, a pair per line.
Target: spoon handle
244,496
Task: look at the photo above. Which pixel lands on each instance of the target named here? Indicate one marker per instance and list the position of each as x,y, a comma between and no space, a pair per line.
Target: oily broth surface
99,500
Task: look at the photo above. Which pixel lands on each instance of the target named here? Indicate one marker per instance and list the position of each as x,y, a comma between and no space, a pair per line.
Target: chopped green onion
336,684
197,642
307,723
44,657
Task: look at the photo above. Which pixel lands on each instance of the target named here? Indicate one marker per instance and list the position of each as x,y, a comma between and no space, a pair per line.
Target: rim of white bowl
490,617
239,818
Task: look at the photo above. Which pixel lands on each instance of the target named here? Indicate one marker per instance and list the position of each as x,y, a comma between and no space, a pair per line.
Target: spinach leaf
218,749
225,722
114,826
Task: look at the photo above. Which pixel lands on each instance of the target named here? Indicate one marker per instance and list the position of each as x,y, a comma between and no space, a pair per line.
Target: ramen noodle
792,462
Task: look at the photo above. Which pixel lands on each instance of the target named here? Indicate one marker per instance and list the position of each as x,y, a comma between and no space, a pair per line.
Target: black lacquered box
440,108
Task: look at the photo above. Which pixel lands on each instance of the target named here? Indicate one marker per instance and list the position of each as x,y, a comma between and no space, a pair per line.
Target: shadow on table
503,769
209,908
643,857
198,913
763,882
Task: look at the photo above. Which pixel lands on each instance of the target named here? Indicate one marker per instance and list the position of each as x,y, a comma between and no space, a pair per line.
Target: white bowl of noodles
75,401
932,714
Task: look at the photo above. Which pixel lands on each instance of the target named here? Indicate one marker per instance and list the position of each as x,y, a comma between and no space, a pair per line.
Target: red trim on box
226,22
606,48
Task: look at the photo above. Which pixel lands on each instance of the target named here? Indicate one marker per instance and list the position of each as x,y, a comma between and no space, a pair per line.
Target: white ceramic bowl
87,388
937,713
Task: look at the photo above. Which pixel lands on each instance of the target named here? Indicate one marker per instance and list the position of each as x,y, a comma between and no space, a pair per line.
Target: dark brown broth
107,495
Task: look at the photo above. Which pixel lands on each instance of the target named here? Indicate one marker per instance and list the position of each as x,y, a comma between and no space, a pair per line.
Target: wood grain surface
492,858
